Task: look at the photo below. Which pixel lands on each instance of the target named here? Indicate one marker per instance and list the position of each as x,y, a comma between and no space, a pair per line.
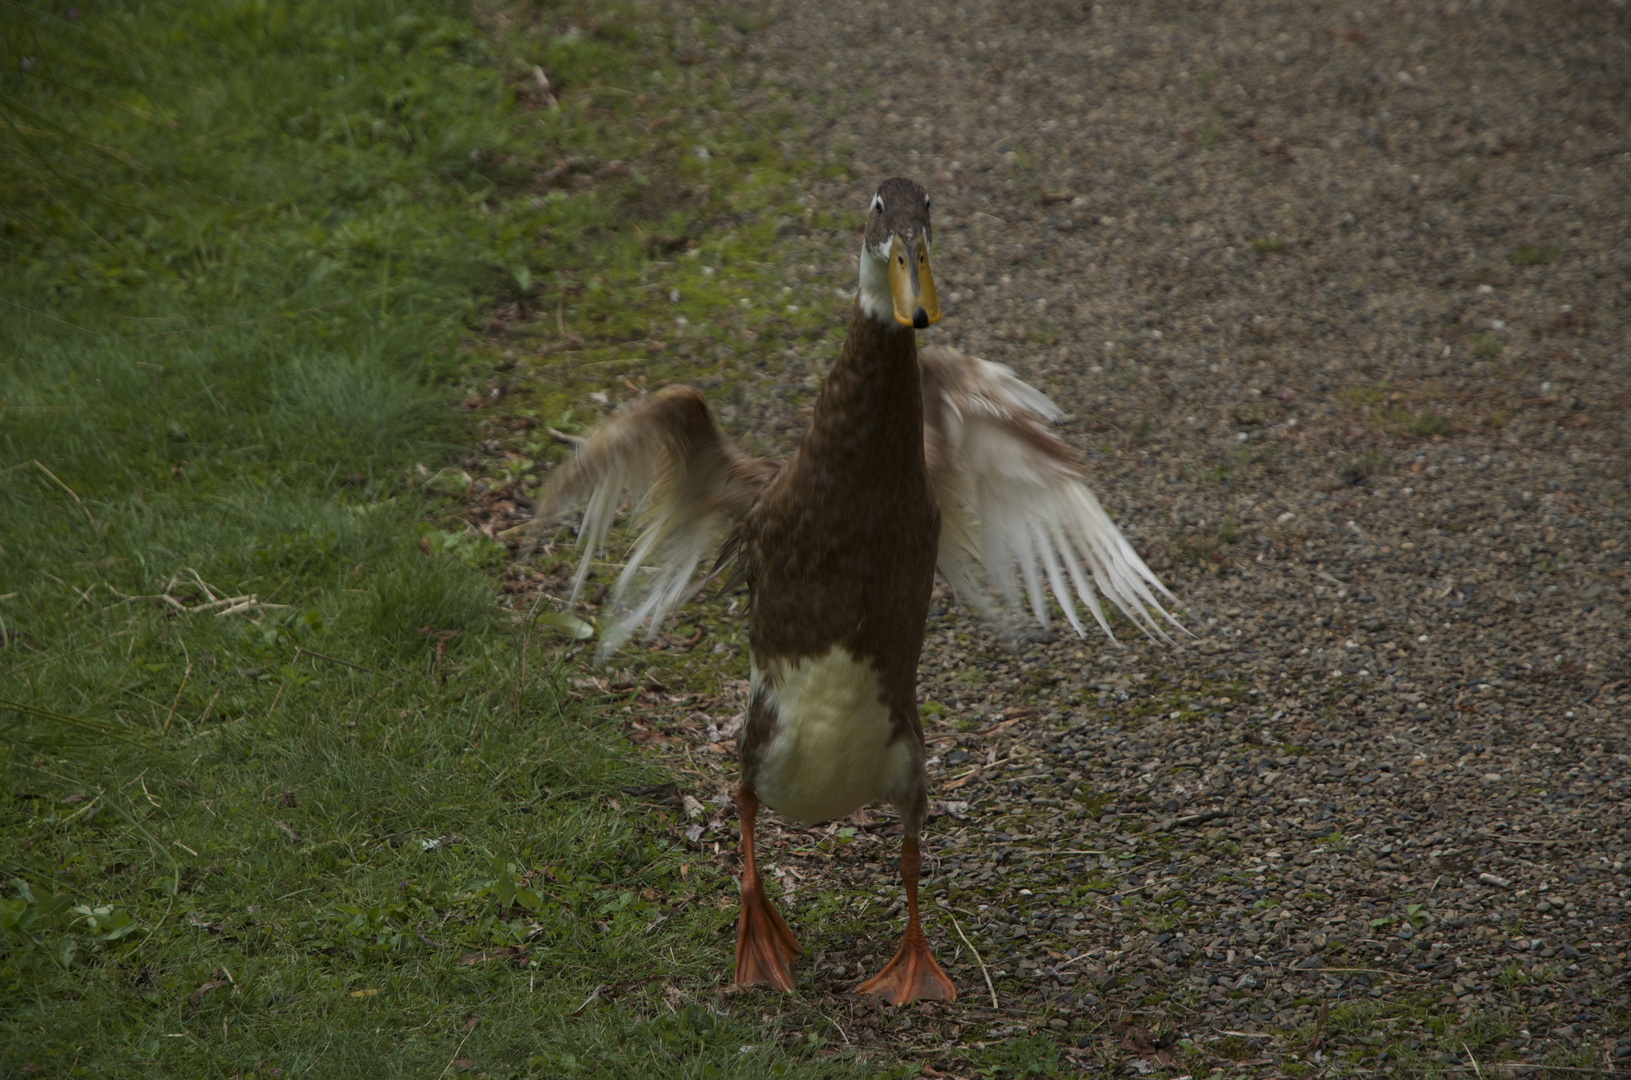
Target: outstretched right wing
1013,497
687,483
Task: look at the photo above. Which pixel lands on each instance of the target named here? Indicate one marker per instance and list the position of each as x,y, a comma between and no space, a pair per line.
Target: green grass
1206,547
1529,255
1401,413
244,248
1486,346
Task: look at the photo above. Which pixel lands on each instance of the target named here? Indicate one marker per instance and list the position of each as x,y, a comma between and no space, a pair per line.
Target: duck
916,461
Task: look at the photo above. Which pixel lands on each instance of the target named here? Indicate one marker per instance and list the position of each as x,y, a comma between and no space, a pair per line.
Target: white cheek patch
830,752
875,299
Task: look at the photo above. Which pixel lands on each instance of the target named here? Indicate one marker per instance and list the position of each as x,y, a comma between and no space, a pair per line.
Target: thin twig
249,602
40,465
202,584
608,363
1475,1068
1200,818
228,605
41,314
974,773
526,646
48,659
977,959
185,675
333,659
1319,1027
213,731
594,995
100,727
455,1056
84,809
1519,840
175,867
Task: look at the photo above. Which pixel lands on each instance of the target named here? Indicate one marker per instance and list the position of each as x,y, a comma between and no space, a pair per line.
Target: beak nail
920,319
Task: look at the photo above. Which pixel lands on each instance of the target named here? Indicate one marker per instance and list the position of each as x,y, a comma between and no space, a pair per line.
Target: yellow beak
911,284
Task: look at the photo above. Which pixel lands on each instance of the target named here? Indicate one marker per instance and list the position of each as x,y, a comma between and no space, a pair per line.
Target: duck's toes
911,975
765,947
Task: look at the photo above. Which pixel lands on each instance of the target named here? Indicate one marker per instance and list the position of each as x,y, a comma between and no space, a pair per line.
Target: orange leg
765,947
912,974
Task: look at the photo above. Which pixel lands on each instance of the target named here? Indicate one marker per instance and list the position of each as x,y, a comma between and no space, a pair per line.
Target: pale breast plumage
832,748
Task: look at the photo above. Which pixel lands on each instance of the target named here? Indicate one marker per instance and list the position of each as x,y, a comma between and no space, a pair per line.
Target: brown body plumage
841,547
911,462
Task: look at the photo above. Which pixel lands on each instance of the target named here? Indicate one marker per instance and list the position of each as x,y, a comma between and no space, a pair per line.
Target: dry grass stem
990,987
41,466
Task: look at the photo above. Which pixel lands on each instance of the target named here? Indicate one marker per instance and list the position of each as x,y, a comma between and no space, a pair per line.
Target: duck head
896,285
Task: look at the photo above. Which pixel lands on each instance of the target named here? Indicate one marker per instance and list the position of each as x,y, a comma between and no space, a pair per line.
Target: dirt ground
1337,299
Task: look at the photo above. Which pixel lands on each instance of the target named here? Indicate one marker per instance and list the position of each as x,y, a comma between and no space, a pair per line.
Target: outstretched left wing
688,483
1015,504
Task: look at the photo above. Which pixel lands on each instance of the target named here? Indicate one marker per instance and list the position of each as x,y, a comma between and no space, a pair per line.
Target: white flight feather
1015,502
684,491
675,537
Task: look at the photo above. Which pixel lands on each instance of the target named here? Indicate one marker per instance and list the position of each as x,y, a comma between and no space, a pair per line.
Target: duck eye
877,204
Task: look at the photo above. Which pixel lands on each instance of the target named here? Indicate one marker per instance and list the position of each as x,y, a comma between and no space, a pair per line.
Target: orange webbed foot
911,975
765,947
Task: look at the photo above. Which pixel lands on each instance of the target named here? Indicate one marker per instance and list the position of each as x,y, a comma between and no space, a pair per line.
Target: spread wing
1013,497
687,484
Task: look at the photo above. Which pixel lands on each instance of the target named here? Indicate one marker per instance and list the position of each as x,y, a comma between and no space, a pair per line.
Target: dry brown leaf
198,995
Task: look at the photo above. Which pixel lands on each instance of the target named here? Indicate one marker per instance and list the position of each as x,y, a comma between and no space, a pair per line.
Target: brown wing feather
688,483
1014,497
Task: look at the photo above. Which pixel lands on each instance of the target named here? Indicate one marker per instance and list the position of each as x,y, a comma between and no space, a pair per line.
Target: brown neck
868,422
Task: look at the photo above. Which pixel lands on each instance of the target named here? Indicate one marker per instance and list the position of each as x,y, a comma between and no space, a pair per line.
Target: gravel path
1337,298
